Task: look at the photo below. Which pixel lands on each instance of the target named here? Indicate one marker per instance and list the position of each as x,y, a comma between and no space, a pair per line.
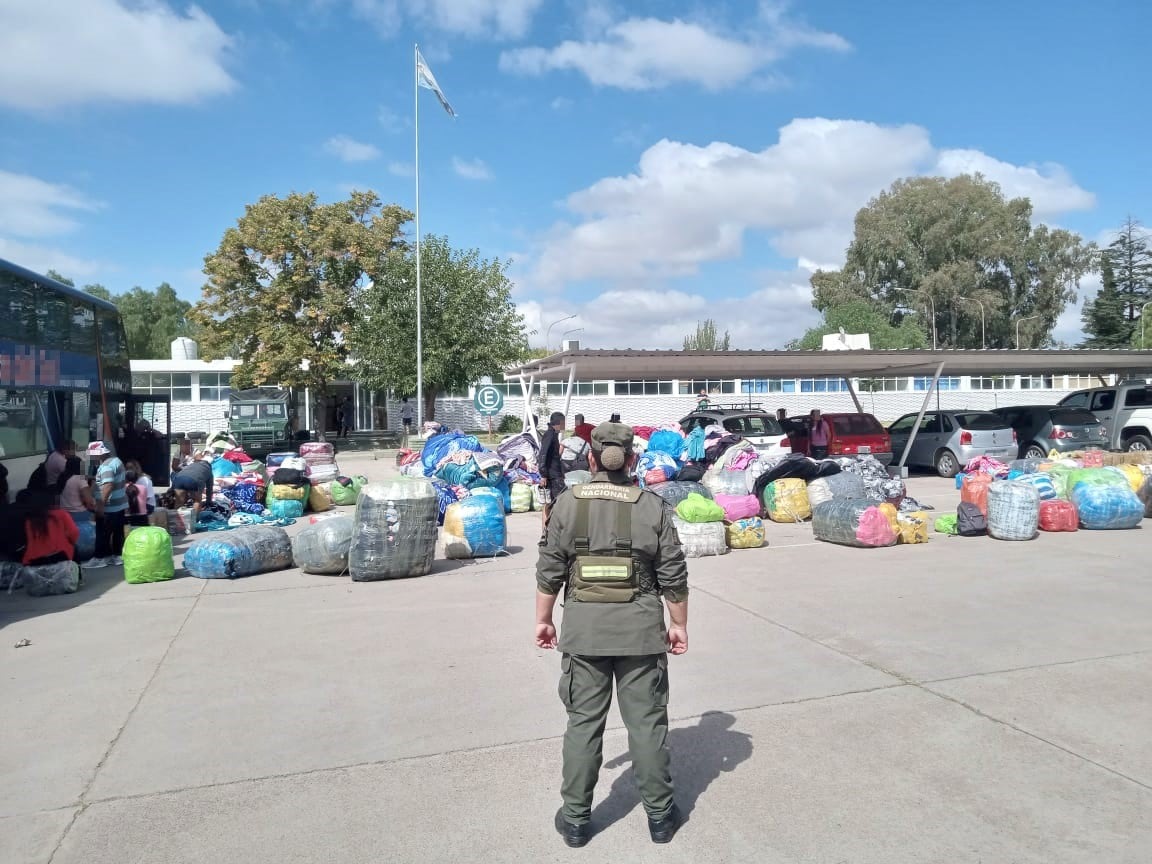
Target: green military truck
262,420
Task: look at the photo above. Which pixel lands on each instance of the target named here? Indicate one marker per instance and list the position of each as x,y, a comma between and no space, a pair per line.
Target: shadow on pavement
700,754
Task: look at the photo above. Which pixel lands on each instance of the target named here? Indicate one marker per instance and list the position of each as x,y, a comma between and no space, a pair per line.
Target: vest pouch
603,579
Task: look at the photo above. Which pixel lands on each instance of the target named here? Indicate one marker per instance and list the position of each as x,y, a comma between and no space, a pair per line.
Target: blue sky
645,164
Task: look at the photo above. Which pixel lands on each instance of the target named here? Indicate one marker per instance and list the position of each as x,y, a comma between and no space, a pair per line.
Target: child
137,499
145,483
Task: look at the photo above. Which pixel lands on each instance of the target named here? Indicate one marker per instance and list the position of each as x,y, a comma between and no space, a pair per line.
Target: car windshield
753,425
1072,417
856,424
978,421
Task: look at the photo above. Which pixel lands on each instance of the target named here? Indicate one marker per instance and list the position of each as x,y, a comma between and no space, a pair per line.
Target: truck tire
1138,442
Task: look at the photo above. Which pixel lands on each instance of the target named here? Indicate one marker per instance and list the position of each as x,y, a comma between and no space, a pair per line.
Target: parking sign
488,401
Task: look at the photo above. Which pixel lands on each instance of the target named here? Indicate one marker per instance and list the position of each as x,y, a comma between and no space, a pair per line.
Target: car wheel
946,464
1035,451
1138,442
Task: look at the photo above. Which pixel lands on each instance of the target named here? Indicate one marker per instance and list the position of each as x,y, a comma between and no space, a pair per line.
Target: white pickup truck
1125,410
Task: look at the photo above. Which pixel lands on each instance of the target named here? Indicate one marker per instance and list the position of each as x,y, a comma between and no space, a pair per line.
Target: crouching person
50,547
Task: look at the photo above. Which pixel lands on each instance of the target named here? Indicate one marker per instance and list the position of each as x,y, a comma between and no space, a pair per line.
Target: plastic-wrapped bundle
445,498
323,548
521,495
343,493
848,522
1096,477
656,467
666,441
295,463
245,498
224,468
319,499
701,539
1133,474
1103,507
697,509
786,500
745,533
912,527
975,490
275,460
457,473
842,485
724,482
395,531
1025,466
86,542
279,492
47,580
286,509
675,491
148,556
945,524
318,474
521,447
574,453
1145,496
240,552
317,452
11,575
574,478
1042,483
1058,516
1093,458
891,490
474,528
439,446
1013,510
738,507
1059,475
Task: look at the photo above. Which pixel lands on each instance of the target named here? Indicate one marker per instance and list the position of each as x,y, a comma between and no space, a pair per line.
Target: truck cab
1124,409
262,420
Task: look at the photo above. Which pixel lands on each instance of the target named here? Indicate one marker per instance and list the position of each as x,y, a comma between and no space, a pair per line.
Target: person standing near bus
111,506
56,462
819,433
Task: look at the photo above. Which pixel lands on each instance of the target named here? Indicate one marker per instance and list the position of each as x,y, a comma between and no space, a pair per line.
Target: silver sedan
948,440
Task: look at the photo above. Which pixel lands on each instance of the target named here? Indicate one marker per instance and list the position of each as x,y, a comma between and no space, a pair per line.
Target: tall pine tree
1105,324
1131,261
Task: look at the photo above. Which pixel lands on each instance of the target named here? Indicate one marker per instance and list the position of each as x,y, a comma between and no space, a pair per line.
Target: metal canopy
638,365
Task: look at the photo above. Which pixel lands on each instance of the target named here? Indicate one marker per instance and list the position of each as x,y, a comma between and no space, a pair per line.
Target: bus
64,374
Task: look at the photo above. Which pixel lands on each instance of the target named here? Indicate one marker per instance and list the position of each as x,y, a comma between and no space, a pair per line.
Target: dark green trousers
586,691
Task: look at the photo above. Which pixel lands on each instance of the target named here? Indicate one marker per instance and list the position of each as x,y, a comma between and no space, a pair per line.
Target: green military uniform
623,639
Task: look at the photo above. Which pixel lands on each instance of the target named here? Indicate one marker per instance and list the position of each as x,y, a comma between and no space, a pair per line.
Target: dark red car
852,435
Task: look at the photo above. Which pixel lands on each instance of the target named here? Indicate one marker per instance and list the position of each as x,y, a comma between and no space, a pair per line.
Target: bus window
83,338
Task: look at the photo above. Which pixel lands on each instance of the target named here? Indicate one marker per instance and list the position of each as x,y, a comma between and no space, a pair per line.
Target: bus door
144,435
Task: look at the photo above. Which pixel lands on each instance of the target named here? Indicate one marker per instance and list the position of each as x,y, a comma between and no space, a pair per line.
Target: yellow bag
892,515
1133,474
279,492
745,533
786,500
319,499
912,527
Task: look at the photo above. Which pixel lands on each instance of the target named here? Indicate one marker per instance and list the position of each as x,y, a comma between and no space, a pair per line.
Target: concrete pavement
963,701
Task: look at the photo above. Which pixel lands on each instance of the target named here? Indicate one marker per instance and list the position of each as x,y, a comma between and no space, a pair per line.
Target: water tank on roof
184,348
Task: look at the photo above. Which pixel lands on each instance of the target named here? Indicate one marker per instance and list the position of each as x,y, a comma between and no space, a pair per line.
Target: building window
923,382
1035,382
215,386
883,385
643,388
177,386
993,382
823,385
1081,382
710,385
593,388
768,385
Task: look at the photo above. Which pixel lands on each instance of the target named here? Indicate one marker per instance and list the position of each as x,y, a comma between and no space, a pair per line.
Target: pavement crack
1056,663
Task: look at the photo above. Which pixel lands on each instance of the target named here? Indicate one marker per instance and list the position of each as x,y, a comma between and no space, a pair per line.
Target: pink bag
875,529
737,507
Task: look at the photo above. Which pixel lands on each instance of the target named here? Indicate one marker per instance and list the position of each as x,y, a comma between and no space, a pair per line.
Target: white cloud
391,121
504,19
1049,186
473,169
31,207
350,150
651,53
401,169
67,52
40,259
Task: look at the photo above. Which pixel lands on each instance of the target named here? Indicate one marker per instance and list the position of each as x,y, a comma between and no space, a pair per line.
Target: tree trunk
430,404
320,411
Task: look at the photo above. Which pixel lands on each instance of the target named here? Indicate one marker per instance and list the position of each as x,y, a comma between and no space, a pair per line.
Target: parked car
753,424
1125,410
852,435
1043,428
948,440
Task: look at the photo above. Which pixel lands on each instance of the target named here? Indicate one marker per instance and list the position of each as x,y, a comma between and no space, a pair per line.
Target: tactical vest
610,578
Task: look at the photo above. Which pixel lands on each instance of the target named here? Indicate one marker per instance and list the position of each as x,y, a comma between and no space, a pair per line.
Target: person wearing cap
614,552
550,464
111,507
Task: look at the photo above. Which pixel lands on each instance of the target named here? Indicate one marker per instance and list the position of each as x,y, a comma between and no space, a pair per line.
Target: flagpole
419,300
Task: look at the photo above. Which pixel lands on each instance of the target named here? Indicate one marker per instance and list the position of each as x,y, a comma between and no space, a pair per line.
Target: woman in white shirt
143,482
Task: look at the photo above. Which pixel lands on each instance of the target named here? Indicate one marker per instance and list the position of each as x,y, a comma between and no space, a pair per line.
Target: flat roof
619,364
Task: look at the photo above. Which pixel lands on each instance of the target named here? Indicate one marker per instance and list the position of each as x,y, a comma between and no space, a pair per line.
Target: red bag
1058,515
975,490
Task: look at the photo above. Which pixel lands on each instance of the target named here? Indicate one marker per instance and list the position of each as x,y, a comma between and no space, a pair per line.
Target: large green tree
707,338
961,243
1131,262
470,326
886,330
1104,323
283,286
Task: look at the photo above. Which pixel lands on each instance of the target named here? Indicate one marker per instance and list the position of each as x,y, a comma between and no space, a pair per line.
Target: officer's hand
677,640
546,635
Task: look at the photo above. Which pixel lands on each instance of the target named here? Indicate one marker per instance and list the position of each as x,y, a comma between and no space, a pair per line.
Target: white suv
1125,410
761,430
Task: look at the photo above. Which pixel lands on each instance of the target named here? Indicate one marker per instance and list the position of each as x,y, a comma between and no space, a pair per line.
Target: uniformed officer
613,550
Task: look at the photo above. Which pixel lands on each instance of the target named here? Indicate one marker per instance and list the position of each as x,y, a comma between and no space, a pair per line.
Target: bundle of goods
287,501
945,524
1093,458
518,449
987,465
1025,466
446,496
1013,510
974,490
246,497
322,548
696,508
236,455
1058,515
800,467
1145,496
220,442
667,441
1103,507
912,527
321,459
1059,475
786,500
148,556
86,542
725,482
701,539
1041,482
241,552
675,491
395,530
46,580
971,521
694,445
474,528
275,460
574,454
11,576
656,467
745,533
222,468
320,499
441,446
762,465
852,522
345,489
1134,475
522,497
574,478
692,472
843,485
737,507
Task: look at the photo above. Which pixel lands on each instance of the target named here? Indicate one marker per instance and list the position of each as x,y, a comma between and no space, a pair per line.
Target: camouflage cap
612,443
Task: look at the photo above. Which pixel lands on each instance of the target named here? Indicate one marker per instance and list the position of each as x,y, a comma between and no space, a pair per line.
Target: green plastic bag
945,524
697,508
343,496
1095,477
358,483
148,556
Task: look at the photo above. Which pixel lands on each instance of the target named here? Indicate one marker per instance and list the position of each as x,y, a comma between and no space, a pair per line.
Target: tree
1104,323
470,326
1131,261
860,317
60,277
707,338
283,286
153,319
959,241
99,291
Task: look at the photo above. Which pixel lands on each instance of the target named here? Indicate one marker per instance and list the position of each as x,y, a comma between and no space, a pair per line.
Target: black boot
664,830
574,836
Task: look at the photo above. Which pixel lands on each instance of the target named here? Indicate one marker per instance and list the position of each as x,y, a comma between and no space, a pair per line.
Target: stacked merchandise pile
288,493
700,523
320,457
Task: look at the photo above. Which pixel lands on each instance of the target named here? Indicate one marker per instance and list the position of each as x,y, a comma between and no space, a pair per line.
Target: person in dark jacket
551,467
194,483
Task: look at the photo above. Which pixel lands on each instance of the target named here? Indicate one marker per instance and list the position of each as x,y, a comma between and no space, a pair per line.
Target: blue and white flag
425,78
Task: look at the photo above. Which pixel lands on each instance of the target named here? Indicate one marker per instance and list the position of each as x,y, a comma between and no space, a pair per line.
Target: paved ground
962,701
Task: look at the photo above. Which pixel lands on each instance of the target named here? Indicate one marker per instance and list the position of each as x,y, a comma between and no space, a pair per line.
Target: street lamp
983,341
1020,321
566,332
548,332
1142,308
932,306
